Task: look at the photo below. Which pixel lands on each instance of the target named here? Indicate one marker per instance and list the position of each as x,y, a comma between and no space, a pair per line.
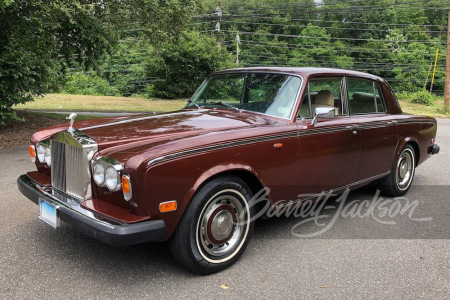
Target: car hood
146,128
122,137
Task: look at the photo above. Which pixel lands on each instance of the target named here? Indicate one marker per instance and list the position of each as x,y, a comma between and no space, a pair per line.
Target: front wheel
398,182
216,226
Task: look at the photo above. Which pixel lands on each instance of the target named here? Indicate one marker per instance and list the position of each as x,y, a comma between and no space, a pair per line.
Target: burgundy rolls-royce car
188,177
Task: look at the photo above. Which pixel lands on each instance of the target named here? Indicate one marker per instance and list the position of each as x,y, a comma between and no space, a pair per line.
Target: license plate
48,213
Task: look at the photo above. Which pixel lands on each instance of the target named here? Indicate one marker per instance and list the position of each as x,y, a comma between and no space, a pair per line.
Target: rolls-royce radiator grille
70,172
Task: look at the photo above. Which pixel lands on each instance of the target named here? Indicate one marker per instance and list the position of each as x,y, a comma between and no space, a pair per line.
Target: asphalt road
356,257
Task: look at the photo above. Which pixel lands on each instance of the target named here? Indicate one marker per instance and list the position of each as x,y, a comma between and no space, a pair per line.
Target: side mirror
323,112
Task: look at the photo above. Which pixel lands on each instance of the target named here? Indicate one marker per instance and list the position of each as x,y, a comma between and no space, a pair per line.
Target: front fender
222,169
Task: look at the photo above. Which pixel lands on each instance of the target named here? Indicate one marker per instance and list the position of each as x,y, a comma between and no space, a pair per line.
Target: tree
180,67
160,20
37,41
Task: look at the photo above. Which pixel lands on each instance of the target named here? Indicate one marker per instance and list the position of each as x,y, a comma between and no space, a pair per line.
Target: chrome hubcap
221,225
405,169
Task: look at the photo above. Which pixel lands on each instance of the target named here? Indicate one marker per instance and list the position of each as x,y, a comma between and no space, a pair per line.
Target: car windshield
270,94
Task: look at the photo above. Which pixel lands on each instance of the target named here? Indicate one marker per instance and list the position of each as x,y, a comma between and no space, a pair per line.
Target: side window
364,97
322,92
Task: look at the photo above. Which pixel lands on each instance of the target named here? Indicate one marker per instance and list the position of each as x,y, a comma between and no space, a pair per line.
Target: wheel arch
245,173
414,144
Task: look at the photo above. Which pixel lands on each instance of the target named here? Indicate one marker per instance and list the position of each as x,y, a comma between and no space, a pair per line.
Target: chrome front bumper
106,230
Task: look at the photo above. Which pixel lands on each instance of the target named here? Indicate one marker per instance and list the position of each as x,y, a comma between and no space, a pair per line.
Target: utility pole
219,15
447,67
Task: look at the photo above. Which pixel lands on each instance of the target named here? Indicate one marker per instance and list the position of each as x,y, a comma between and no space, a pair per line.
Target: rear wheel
216,226
398,182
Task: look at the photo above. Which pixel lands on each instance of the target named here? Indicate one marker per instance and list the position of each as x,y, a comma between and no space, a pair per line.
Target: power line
323,9
335,28
321,38
353,9
402,25
295,47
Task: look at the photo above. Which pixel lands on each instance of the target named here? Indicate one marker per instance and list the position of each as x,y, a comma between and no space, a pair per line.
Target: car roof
305,72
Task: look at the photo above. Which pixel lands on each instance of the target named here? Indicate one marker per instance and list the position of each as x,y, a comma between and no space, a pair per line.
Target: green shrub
84,84
422,97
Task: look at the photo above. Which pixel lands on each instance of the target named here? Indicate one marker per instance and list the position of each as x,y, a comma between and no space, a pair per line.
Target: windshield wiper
225,104
193,102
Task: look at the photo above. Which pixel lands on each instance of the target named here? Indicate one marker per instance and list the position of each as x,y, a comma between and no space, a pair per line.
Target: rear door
329,152
376,128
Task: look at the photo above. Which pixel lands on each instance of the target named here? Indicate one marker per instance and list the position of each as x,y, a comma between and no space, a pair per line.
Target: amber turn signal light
32,153
278,145
168,206
126,187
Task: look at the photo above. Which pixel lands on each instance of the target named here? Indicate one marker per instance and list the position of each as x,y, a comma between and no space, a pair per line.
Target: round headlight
99,174
40,153
48,156
112,179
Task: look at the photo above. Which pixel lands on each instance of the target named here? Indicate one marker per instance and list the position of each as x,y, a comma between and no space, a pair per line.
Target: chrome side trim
402,121
220,146
371,125
300,133
306,132
334,190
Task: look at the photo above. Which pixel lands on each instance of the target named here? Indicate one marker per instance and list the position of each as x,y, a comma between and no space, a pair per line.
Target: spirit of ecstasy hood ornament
71,117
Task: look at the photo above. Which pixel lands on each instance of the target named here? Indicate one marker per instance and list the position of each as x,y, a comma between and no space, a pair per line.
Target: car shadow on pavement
148,260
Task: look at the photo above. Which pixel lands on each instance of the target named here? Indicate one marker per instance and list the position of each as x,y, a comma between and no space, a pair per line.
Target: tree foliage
180,67
130,47
40,39
37,41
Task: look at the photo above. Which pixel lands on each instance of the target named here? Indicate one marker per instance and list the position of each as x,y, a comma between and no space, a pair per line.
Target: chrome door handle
352,127
392,123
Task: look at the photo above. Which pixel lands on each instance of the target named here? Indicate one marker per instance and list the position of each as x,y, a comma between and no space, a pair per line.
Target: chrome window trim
344,96
309,102
307,90
374,95
380,91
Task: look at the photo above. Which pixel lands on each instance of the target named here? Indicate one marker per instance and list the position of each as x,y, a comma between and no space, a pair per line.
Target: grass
64,116
65,102
435,110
